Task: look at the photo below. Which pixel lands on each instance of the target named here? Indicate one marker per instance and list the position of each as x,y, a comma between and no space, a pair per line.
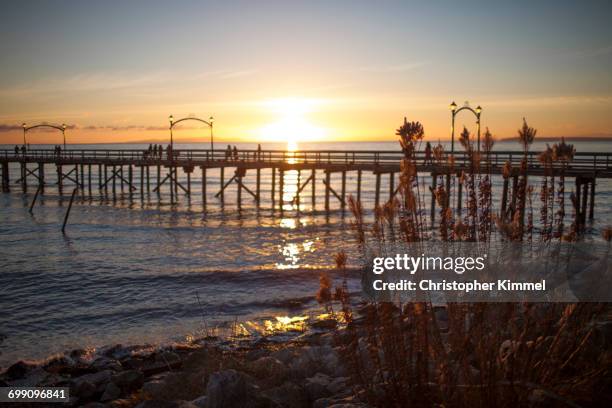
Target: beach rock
288,395
129,380
284,355
105,363
94,405
155,388
18,370
267,367
325,324
317,387
166,404
349,402
84,390
201,402
101,377
168,357
117,352
313,359
339,386
111,392
256,354
60,364
161,362
232,389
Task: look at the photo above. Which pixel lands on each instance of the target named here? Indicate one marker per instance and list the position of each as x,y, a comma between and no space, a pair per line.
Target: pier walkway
74,167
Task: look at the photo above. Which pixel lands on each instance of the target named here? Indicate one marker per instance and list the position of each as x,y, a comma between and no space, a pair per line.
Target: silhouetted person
169,152
259,151
235,153
428,153
228,152
23,150
16,150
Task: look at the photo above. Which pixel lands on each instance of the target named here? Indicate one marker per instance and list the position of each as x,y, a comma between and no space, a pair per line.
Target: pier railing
595,161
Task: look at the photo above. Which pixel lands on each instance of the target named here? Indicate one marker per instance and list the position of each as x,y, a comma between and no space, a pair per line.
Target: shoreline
145,375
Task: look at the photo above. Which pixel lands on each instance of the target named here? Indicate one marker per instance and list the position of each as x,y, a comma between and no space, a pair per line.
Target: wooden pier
115,171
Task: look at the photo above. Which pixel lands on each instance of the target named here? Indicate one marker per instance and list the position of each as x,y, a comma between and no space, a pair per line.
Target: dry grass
480,354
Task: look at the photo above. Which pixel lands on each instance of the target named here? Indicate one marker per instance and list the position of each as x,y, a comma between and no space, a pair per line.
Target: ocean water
139,269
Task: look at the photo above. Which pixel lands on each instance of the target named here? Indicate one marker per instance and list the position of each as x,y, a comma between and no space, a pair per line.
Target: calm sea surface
136,270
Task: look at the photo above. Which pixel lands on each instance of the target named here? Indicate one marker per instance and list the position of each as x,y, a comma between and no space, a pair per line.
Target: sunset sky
114,71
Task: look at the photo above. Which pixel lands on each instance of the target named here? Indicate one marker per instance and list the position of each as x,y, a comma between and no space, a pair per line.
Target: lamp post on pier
454,112
62,128
208,122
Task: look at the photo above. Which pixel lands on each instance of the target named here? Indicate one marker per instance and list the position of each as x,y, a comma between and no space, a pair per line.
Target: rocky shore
357,365
303,371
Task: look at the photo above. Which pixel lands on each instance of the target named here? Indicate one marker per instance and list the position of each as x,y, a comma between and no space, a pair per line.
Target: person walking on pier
259,152
428,153
235,153
16,150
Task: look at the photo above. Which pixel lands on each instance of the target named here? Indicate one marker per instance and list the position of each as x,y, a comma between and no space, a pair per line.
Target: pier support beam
592,203
239,174
258,188
583,210
504,202
24,176
343,191
273,188
158,179
281,189
60,181
434,186
221,174
327,184
313,197
141,181
41,176
130,179
459,195
5,178
358,185
204,187
377,192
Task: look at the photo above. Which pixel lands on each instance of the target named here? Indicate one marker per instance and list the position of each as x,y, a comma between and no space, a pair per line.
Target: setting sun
292,125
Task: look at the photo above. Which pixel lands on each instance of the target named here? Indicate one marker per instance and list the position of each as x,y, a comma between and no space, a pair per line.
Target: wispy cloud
9,127
551,101
85,83
394,68
588,53
227,74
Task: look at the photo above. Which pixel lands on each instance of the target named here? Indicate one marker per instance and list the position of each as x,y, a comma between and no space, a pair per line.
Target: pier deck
74,167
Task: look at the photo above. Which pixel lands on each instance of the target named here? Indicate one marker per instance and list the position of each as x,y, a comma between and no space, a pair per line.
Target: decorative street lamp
171,119
209,123
454,112
61,128
64,134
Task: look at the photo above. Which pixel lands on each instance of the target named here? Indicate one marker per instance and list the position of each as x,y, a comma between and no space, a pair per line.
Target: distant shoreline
189,141
567,139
